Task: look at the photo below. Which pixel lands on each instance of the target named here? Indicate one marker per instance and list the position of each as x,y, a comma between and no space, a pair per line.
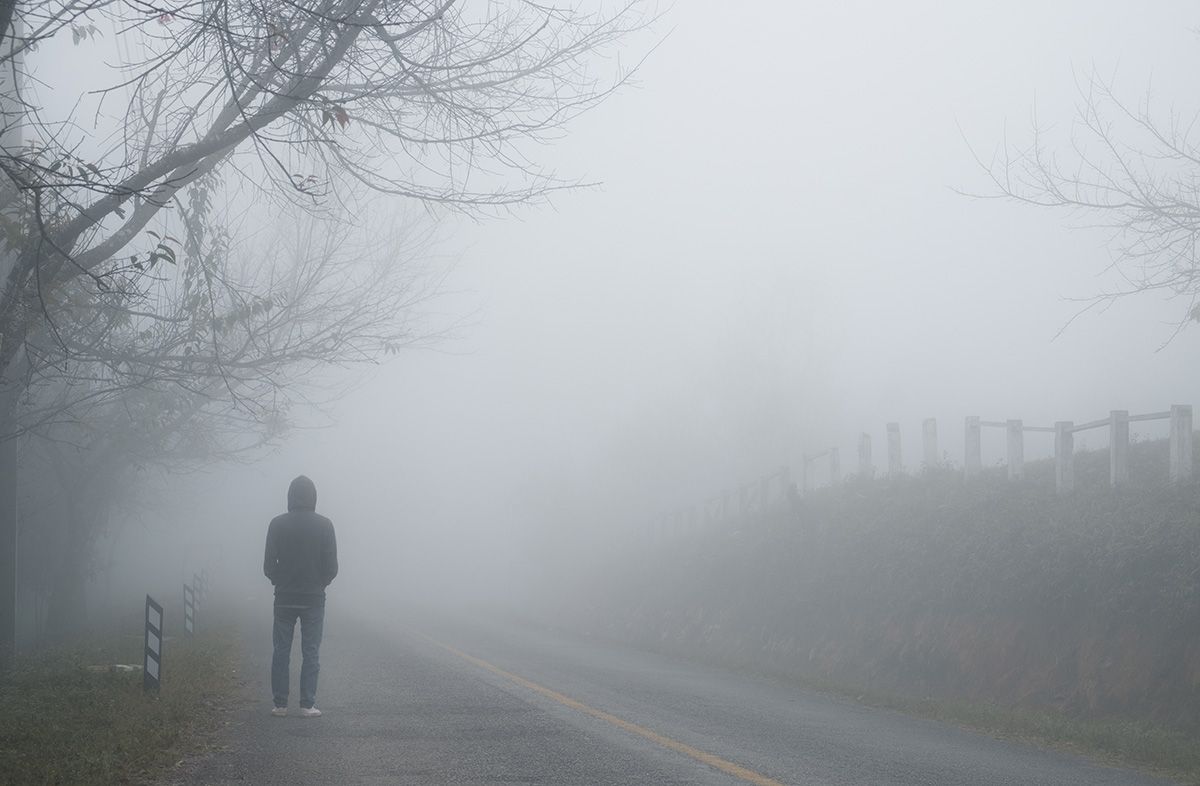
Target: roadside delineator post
189,610
152,657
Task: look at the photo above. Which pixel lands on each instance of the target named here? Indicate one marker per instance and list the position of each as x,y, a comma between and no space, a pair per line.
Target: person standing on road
301,561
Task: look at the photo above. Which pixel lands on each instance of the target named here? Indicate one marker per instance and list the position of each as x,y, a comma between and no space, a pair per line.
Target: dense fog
778,257
784,235
693,392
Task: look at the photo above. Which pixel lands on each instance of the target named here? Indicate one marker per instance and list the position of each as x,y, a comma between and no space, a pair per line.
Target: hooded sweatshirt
301,554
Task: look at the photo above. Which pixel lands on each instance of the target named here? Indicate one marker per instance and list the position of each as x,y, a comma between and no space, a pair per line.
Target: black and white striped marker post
152,663
198,585
189,610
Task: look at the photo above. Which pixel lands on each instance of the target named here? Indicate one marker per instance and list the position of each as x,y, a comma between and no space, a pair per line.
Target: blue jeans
312,622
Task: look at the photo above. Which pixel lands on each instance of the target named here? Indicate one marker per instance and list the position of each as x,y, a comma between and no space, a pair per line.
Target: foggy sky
776,261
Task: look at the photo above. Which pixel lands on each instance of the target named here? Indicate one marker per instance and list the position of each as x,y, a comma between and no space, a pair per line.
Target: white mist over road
776,261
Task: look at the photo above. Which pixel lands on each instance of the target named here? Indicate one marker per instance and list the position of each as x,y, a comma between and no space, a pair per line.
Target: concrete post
895,465
930,442
1016,450
1064,456
835,466
1118,447
1181,442
865,468
973,449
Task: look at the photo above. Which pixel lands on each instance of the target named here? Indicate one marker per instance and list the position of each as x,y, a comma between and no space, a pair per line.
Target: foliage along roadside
1070,619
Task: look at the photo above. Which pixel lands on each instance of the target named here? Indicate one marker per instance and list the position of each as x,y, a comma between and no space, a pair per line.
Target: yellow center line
716,762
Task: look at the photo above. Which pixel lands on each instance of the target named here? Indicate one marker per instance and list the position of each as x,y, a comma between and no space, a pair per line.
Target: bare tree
422,99
1130,169
326,104
241,332
211,370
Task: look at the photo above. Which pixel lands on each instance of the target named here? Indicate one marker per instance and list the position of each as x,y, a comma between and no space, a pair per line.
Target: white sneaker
279,712
310,712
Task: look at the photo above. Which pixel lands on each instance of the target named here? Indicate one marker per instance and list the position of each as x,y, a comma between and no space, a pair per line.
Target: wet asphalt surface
401,709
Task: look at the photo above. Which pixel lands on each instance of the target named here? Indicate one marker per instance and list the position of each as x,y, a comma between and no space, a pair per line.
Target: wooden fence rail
1179,442
777,489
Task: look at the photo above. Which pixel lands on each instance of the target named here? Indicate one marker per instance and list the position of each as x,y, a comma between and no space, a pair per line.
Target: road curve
455,703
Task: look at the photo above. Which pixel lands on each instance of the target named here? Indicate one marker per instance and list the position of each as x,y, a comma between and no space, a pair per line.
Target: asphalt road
442,703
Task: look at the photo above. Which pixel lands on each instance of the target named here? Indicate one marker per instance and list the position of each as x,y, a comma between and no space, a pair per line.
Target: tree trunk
12,385
8,549
66,614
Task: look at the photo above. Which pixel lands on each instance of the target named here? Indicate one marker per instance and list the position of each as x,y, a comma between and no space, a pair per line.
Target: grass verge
1133,743
64,722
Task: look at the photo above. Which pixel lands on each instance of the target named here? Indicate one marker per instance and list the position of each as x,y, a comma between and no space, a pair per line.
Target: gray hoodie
301,554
